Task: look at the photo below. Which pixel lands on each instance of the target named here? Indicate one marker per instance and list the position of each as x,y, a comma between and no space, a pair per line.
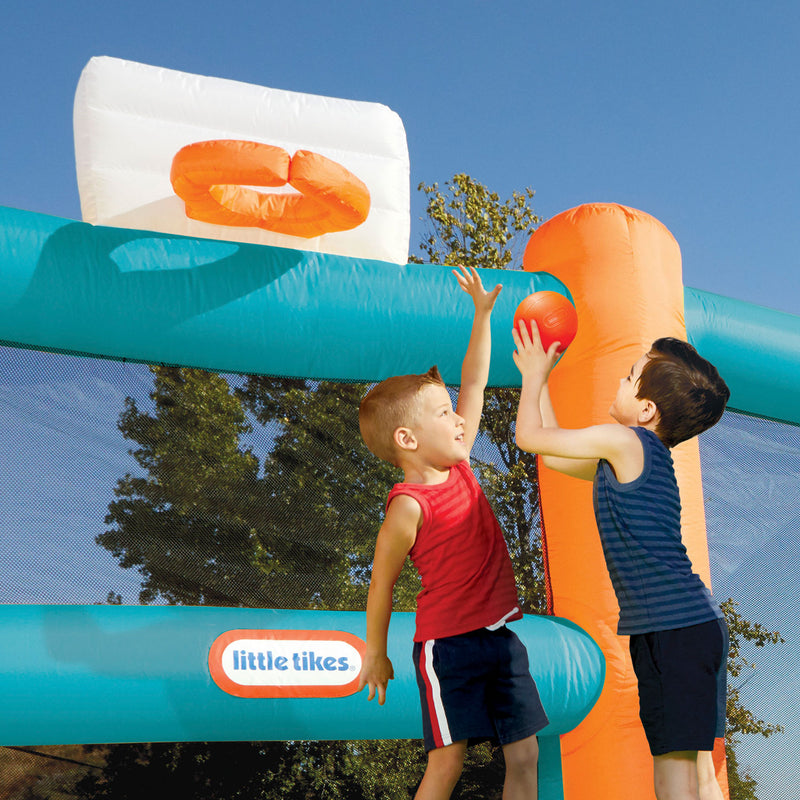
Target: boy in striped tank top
472,671
678,636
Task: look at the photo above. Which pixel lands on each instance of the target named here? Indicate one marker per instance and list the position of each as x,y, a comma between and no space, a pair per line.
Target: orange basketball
554,315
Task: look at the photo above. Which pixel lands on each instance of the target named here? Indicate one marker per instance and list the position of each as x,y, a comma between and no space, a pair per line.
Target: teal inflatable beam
103,674
232,307
150,297
155,298
756,350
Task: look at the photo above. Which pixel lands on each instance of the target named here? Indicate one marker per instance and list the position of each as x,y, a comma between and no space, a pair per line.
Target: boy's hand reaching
376,672
469,280
531,359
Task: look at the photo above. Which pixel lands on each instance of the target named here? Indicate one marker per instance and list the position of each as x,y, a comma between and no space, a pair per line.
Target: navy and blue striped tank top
640,530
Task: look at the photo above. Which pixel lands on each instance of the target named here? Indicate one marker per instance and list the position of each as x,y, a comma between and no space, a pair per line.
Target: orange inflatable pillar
623,268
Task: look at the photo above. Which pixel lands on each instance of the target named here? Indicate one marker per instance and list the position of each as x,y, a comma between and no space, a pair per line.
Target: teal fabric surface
157,298
75,674
151,297
755,349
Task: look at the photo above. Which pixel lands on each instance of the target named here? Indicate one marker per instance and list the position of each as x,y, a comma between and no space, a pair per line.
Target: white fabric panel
130,119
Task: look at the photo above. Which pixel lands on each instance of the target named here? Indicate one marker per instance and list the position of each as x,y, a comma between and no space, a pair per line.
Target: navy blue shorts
477,686
682,676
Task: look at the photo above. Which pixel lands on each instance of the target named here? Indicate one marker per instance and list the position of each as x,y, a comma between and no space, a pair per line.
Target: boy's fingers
534,336
522,331
465,279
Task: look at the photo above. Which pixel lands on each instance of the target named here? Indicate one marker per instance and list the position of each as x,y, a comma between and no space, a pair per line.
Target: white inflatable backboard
131,119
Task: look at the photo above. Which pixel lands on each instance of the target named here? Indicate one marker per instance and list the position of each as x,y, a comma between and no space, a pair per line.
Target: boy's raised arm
475,367
535,412
538,431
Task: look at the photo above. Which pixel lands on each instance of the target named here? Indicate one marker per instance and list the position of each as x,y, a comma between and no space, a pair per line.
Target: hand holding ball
554,315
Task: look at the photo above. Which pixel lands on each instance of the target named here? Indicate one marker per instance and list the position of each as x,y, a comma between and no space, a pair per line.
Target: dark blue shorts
477,686
682,675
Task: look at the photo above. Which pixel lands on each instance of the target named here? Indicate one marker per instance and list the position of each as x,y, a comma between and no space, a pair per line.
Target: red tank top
462,559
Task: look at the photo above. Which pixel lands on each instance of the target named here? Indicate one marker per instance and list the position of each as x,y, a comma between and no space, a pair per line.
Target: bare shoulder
619,436
626,453
403,504
403,518
395,539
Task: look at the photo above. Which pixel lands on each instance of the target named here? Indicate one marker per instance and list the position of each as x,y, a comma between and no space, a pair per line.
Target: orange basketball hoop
213,180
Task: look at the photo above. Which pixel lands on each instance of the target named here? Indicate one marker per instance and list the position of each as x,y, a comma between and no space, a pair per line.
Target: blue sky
688,111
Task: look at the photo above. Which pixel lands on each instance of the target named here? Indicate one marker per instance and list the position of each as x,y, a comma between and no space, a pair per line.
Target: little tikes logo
282,663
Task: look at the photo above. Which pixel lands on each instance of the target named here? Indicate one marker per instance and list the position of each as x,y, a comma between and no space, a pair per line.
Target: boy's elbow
525,442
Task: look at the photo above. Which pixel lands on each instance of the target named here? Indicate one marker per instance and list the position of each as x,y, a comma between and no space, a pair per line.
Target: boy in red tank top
472,671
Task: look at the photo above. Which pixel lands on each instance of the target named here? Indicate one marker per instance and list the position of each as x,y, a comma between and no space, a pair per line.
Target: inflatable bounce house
247,230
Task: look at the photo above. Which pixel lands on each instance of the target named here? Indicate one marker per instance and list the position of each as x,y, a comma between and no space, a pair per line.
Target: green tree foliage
325,488
249,771
467,224
740,787
186,523
204,527
740,720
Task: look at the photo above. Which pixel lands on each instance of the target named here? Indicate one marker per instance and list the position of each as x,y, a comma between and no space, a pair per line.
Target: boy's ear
648,412
404,439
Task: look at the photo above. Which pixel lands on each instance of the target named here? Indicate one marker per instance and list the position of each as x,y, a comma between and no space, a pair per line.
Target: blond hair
391,404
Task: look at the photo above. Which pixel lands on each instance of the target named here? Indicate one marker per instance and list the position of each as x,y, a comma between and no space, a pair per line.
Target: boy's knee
447,762
522,755
675,775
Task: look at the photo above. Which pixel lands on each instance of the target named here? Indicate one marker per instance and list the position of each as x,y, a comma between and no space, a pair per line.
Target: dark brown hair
389,405
688,391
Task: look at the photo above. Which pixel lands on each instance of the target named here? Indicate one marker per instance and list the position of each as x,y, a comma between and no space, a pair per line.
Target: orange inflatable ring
213,180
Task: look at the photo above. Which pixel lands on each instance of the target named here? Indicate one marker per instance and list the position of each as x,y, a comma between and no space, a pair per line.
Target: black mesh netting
119,483
752,498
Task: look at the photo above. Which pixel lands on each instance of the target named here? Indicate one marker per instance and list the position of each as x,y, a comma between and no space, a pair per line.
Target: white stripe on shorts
439,717
499,624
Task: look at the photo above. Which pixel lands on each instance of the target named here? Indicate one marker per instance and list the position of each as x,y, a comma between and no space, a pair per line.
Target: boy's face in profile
438,430
625,408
